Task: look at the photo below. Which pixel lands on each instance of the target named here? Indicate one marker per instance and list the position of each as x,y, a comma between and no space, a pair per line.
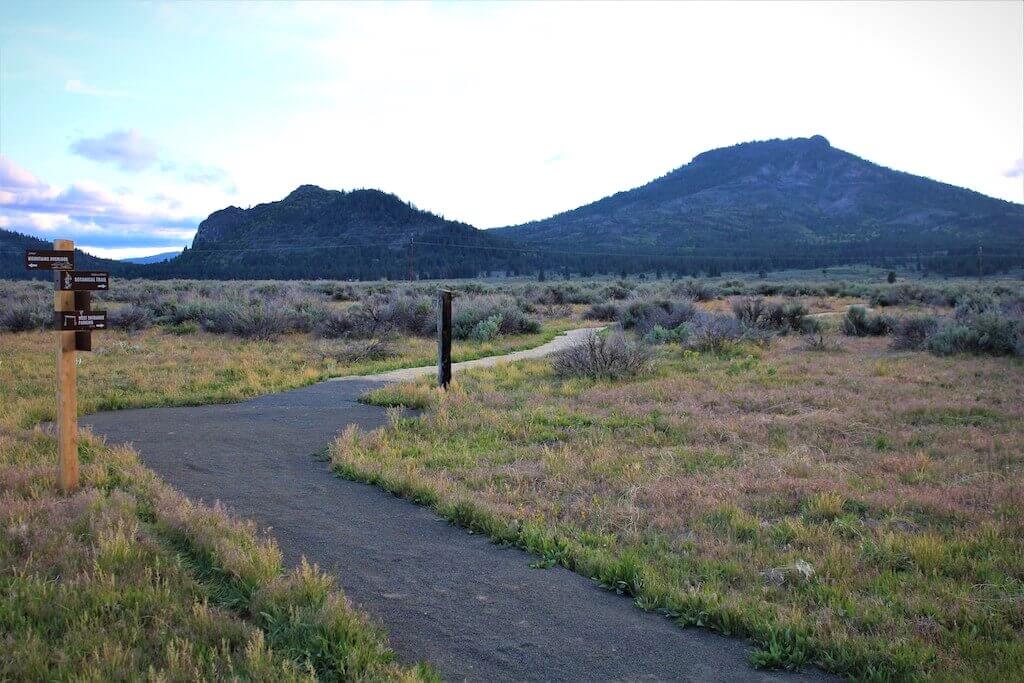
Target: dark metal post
444,338
83,338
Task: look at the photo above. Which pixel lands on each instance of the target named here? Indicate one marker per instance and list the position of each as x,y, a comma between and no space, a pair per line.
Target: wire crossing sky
123,125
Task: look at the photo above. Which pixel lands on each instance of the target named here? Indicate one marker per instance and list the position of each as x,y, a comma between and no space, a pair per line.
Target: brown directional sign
49,259
84,281
79,321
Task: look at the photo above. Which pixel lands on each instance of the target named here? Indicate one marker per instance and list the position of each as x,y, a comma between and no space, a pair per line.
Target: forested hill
782,202
752,206
317,233
12,258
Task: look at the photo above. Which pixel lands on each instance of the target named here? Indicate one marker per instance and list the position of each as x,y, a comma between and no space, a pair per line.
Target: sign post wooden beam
444,338
67,390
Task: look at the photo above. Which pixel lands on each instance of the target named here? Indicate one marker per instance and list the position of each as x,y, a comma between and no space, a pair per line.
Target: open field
835,499
861,509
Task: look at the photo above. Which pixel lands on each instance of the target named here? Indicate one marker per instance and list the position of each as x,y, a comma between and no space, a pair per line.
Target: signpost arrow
84,281
81,321
49,259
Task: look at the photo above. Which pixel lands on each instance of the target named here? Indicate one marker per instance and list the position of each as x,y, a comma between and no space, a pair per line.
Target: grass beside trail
155,368
128,579
862,509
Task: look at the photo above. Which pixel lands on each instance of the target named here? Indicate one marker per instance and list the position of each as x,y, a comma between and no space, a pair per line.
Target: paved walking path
474,609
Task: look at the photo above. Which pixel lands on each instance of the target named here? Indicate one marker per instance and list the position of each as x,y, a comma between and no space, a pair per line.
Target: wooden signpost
50,259
74,321
444,338
83,281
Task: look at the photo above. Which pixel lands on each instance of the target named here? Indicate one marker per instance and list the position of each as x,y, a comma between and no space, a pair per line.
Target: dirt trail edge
474,609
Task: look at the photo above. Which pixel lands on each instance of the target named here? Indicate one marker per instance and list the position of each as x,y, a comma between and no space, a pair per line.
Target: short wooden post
67,390
444,338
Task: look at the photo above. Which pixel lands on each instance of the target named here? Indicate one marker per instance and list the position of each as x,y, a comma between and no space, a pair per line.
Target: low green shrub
487,329
661,335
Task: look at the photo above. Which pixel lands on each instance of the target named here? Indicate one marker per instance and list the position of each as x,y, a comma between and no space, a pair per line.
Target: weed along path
474,609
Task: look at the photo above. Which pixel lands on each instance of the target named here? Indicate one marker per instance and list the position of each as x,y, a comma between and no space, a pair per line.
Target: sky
123,125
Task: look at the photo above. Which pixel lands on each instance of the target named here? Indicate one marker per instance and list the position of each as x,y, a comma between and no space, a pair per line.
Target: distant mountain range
756,205
155,258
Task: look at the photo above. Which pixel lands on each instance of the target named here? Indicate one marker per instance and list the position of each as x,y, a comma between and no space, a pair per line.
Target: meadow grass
126,578
157,368
859,509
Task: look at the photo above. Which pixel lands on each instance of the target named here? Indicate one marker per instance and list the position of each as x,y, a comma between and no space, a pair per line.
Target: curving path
474,609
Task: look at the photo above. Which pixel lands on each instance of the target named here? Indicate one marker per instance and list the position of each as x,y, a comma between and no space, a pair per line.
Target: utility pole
408,259
980,272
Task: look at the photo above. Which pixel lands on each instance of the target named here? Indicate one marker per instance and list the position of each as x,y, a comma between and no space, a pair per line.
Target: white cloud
80,88
1017,170
128,149
107,218
501,113
14,178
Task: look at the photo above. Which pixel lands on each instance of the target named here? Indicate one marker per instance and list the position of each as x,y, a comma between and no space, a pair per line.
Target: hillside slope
12,258
783,199
315,233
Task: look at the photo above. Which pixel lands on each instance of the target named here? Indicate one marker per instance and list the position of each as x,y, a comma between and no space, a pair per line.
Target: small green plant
183,328
824,506
487,329
784,649
660,335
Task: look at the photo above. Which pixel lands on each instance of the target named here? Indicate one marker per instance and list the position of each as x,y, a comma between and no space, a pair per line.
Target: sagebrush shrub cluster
715,332
983,333
607,356
859,323
645,314
130,318
979,325
478,317
25,316
911,334
770,315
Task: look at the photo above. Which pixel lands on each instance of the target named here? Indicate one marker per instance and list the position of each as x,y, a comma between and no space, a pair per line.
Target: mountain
12,258
317,233
779,203
155,258
757,205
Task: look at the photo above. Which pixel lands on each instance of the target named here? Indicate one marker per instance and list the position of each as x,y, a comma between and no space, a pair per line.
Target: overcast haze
123,125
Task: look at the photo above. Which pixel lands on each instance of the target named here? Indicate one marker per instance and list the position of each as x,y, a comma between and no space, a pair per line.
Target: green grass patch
806,520
954,417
